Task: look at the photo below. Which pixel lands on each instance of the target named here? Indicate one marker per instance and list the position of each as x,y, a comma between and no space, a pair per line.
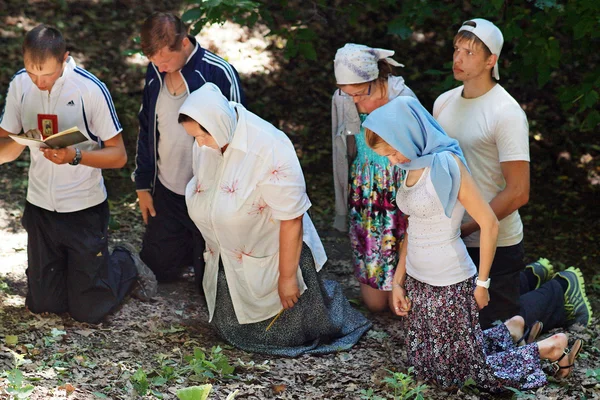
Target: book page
25,141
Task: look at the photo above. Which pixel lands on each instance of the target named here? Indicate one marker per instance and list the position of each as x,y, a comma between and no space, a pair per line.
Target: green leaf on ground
194,392
11,340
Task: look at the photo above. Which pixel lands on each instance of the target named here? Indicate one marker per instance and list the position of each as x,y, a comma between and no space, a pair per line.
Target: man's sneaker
577,305
146,286
542,269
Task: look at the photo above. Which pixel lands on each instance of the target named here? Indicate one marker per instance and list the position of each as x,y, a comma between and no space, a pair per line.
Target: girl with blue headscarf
436,285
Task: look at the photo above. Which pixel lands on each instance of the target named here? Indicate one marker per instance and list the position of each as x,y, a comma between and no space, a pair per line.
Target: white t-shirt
237,199
436,255
174,144
79,99
490,129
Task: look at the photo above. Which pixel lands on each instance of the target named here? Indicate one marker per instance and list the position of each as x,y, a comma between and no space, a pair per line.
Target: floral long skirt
446,345
376,225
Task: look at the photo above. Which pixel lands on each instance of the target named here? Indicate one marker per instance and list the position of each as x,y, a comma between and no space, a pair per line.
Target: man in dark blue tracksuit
178,66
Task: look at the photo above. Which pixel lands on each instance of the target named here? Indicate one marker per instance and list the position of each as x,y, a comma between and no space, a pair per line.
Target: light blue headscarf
411,130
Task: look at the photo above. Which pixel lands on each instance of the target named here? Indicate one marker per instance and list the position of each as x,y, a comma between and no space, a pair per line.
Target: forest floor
157,347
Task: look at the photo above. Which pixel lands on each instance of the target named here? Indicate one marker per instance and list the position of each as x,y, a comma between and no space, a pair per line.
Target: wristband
485,284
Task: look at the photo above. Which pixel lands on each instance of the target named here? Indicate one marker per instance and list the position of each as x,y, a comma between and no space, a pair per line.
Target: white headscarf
357,63
208,107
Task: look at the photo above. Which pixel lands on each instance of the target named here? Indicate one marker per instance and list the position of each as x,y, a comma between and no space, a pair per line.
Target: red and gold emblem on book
48,124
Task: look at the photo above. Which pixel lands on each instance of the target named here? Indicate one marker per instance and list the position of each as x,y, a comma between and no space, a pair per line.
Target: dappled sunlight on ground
13,242
244,48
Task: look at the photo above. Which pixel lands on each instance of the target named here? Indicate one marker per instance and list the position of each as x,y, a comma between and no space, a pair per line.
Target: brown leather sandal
531,334
571,356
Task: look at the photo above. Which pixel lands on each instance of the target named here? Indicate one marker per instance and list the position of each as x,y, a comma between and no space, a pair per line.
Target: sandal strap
566,366
524,337
535,331
565,353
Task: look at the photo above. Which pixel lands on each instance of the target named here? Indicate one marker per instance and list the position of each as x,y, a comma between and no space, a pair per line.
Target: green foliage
4,286
139,380
300,40
470,387
369,394
194,392
55,335
200,367
205,367
547,42
519,394
404,386
594,285
17,388
218,11
593,373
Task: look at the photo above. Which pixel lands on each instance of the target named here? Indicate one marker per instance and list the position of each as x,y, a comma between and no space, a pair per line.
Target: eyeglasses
354,95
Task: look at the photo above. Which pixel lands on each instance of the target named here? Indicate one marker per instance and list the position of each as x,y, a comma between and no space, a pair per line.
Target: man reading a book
66,211
178,66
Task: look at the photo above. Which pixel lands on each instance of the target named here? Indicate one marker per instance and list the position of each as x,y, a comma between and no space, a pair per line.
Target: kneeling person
248,198
66,213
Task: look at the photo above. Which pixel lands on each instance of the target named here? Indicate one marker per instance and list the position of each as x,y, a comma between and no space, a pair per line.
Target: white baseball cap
489,34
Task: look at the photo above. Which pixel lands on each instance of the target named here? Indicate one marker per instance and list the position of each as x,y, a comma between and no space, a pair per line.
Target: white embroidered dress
237,199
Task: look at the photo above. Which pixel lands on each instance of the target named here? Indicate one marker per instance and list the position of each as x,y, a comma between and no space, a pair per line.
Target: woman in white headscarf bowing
365,183
248,198
436,285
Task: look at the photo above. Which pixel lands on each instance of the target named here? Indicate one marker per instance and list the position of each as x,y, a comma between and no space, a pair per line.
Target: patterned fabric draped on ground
376,224
321,322
447,346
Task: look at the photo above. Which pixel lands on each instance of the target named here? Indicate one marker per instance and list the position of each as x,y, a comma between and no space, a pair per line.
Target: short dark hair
44,42
162,30
186,118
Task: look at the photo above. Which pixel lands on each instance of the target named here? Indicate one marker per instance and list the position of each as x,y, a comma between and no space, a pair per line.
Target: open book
59,140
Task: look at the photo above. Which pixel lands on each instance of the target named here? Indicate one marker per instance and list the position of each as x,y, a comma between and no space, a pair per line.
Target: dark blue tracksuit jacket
203,66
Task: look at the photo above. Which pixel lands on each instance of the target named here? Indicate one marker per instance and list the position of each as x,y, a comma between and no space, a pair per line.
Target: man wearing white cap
493,132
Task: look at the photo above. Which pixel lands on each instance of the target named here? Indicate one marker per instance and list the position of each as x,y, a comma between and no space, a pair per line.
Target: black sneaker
146,286
577,304
542,269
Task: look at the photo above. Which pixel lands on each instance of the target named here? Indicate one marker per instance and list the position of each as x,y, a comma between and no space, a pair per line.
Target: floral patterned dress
376,225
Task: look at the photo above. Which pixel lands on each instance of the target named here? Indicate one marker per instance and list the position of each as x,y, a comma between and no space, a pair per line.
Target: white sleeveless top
436,254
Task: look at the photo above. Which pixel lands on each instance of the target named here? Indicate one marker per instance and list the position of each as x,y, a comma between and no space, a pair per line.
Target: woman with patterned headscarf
248,199
365,183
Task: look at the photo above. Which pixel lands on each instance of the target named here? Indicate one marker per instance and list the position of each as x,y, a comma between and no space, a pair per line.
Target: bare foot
516,327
